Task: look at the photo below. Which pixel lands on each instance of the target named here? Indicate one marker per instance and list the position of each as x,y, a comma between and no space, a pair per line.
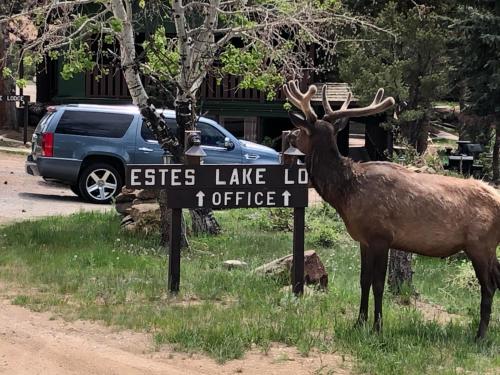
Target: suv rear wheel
99,182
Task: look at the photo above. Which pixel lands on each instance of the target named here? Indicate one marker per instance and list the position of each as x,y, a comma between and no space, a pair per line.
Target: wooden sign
19,98
224,186
227,186
14,98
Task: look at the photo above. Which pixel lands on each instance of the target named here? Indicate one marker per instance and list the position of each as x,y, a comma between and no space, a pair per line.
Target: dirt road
39,343
25,197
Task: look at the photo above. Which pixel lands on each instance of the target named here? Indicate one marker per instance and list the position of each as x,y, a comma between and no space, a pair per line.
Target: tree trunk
202,219
422,135
496,152
400,271
416,134
204,222
8,116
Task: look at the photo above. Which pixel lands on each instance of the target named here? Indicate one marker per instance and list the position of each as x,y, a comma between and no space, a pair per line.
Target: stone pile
139,208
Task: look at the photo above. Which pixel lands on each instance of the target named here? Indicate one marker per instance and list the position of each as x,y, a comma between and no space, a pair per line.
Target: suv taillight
47,144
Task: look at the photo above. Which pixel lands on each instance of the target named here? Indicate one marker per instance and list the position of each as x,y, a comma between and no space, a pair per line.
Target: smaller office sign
238,198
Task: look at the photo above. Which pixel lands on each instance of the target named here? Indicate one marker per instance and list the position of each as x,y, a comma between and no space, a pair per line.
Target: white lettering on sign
189,176
303,176
246,176
216,199
217,178
149,175
288,181
227,197
234,178
200,195
133,177
258,176
286,197
270,198
259,198
174,180
163,176
239,197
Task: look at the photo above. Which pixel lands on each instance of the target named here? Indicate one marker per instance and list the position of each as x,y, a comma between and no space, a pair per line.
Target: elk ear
300,122
340,124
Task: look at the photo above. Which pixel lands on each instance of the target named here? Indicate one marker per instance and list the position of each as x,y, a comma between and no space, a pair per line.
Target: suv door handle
145,149
251,156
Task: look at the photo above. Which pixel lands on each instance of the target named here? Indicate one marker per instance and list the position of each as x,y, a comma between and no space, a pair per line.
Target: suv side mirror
228,144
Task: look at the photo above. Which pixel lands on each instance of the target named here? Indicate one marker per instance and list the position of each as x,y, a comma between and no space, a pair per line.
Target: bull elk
385,205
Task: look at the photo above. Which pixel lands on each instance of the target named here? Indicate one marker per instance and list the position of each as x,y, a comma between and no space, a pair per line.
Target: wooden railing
227,89
112,85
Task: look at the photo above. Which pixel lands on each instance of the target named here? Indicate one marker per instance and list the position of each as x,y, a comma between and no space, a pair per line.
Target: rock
141,201
126,220
127,195
314,270
138,210
123,208
147,194
231,264
131,226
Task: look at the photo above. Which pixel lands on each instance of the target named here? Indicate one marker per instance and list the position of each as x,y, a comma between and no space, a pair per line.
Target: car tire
75,189
99,183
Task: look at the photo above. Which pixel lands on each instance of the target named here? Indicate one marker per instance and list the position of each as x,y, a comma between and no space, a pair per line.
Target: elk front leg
365,281
380,255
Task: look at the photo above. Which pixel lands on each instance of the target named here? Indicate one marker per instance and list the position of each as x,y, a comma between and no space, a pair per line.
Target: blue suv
88,146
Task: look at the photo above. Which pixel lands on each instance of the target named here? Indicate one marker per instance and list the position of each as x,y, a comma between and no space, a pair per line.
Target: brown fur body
426,214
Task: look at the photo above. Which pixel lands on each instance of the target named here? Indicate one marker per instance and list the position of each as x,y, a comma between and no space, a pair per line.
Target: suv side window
94,124
210,136
148,135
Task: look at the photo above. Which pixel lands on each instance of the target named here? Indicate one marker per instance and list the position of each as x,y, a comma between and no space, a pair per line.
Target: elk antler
378,105
302,100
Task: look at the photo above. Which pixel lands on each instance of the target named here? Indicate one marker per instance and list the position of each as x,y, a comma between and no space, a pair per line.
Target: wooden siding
112,85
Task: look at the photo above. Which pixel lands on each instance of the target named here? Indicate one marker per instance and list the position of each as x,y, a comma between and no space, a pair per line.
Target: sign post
290,156
193,185
20,98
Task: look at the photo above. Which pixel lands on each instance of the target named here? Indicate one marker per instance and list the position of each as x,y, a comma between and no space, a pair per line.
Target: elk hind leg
486,267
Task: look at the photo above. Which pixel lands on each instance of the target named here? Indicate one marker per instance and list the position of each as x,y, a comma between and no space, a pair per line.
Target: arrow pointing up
200,195
286,197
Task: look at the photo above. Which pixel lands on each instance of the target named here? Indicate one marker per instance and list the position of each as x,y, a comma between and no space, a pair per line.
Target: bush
324,236
464,277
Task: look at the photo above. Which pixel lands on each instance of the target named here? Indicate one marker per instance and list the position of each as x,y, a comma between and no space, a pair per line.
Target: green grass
84,267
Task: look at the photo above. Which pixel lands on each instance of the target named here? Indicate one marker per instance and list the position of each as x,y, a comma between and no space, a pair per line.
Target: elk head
309,126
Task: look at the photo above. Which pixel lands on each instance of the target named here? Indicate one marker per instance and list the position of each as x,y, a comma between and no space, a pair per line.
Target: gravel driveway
25,197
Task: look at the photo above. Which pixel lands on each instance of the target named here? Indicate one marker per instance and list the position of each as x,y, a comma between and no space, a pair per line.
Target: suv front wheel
99,182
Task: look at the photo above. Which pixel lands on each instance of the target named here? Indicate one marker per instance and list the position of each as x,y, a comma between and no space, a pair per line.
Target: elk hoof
361,322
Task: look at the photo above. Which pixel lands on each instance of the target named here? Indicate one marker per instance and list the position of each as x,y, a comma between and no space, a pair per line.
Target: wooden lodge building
244,112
